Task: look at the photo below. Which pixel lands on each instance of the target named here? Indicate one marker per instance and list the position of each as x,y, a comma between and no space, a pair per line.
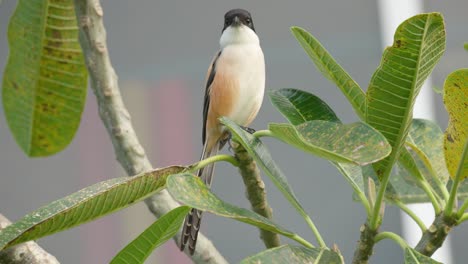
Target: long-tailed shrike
235,84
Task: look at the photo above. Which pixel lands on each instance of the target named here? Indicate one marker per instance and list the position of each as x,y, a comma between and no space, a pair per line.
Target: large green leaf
425,148
85,205
332,70
356,143
260,154
159,232
456,135
299,106
294,255
419,43
45,79
414,257
190,190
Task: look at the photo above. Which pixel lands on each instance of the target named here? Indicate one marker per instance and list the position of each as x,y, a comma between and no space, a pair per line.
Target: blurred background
161,50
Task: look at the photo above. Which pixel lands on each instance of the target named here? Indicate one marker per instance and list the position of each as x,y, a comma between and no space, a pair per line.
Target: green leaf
190,190
83,206
424,152
45,79
299,106
465,46
428,137
419,43
332,70
456,134
260,154
414,257
356,143
294,255
159,232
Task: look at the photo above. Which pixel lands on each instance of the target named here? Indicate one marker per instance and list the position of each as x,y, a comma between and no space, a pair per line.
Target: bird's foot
248,129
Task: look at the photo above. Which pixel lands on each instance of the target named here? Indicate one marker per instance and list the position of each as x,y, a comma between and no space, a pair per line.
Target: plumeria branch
116,118
29,252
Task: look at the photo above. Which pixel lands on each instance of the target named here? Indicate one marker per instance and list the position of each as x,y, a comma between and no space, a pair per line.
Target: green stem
442,188
301,241
315,231
364,201
463,218
390,235
374,218
463,208
422,156
263,133
431,194
458,178
222,157
411,214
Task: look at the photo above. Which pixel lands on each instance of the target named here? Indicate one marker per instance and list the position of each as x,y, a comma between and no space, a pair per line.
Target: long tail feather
193,218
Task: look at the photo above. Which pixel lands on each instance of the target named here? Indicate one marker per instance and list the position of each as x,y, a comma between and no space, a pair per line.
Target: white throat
238,35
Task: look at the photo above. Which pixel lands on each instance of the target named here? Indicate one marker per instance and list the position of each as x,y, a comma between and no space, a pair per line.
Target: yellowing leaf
456,102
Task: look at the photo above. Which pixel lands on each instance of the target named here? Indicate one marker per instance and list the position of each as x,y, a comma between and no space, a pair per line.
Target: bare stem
116,118
29,252
365,245
255,191
433,238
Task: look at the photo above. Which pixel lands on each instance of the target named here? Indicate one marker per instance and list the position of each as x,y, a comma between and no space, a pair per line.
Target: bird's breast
245,65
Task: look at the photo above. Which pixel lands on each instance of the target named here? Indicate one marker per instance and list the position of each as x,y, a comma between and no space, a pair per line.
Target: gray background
161,50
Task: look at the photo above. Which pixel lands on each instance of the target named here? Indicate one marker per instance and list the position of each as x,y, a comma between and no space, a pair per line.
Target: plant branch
463,218
263,133
202,163
25,253
255,191
463,208
432,196
365,245
116,118
390,235
411,214
433,238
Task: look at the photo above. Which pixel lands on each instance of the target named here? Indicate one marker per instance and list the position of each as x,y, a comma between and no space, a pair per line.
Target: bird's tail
193,218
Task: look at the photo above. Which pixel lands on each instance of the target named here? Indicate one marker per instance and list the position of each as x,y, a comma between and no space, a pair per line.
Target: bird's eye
248,21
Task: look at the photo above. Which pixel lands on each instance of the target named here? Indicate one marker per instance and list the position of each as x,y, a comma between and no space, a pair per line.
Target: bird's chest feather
245,66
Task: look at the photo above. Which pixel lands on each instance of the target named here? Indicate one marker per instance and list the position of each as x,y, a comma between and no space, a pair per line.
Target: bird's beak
237,21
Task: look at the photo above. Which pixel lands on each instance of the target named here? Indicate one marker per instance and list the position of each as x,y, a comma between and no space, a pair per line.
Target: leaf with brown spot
295,255
456,134
45,79
85,205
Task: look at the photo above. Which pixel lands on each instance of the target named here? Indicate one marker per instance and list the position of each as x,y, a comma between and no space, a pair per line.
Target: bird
235,85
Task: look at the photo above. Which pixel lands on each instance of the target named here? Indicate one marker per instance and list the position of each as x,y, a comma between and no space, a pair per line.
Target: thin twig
116,118
390,235
255,191
411,214
25,253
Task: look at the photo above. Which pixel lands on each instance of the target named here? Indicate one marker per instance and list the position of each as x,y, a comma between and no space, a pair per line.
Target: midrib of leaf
408,108
37,69
407,115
